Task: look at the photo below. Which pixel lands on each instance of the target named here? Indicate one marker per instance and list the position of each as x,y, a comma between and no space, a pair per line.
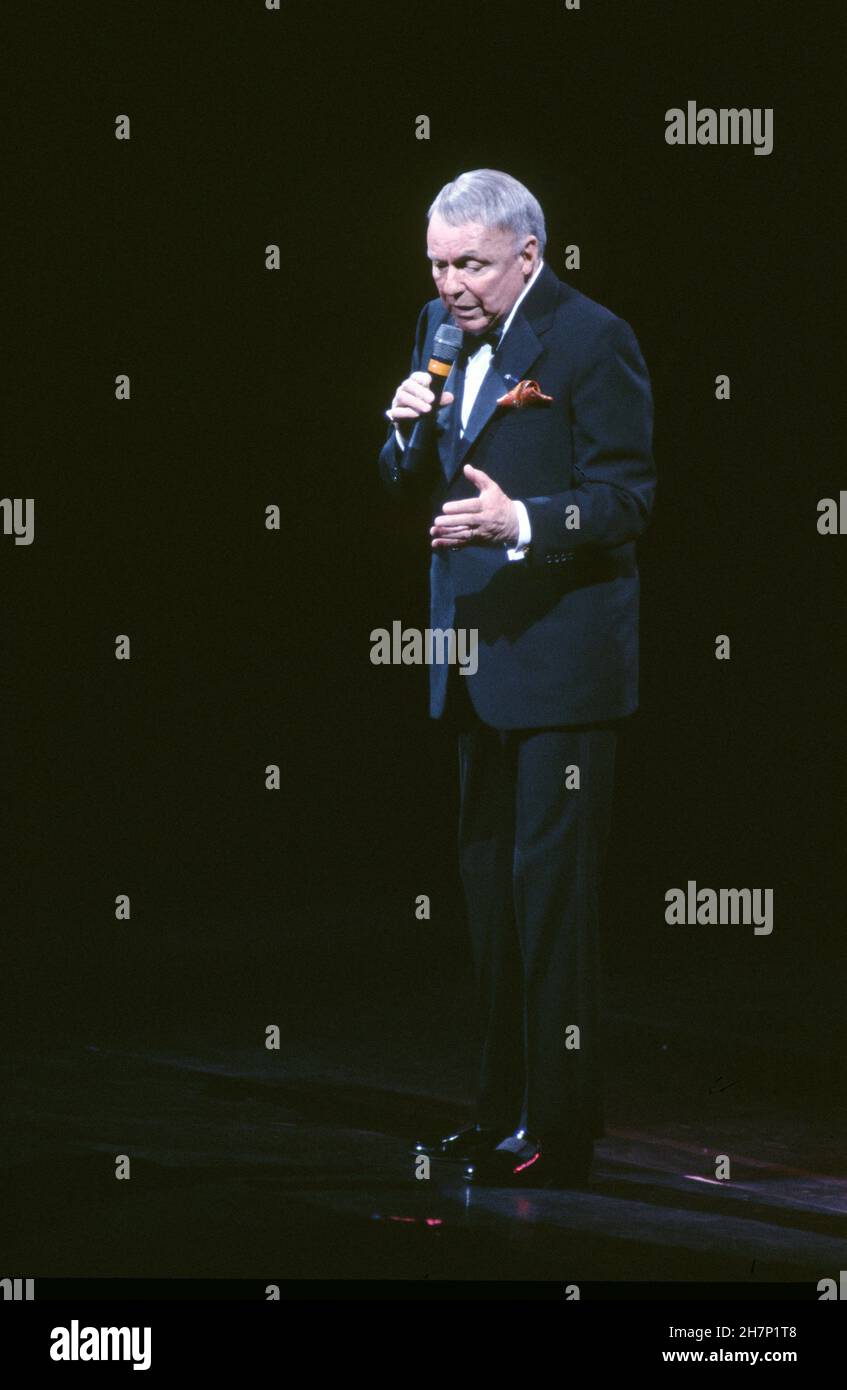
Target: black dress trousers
531,854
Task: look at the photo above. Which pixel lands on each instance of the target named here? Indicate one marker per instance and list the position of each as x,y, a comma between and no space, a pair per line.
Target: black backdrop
252,387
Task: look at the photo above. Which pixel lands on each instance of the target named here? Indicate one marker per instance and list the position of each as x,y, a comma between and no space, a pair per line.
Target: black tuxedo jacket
558,630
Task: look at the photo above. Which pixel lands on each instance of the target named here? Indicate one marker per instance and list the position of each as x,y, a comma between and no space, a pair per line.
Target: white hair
493,199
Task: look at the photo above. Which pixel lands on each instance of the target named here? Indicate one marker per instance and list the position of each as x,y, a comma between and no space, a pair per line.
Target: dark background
249,387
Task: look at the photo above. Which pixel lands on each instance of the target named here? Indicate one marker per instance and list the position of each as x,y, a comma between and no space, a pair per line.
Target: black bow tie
472,342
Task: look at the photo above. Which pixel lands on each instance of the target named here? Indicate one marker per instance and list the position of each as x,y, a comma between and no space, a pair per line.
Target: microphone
445,350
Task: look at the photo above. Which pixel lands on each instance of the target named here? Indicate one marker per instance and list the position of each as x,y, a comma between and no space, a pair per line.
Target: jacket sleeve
612,425
390,455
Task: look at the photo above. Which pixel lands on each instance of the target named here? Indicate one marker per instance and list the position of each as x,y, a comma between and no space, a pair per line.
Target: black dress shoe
522,1161
465,1146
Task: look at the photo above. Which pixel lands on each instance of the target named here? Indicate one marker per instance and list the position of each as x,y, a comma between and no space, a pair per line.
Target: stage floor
297,1165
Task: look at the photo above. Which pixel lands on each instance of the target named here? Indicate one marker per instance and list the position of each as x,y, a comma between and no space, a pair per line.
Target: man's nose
453,284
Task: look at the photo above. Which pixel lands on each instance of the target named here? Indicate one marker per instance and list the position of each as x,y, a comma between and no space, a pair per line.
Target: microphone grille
448,343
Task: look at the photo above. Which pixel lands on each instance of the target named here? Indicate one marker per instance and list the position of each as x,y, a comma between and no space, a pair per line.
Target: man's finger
416,392
464,504
464,520
476,475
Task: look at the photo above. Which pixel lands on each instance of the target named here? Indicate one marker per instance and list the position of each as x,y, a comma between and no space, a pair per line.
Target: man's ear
529,253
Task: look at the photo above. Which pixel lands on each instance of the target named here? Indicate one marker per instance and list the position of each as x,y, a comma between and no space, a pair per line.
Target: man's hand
489,519
413,398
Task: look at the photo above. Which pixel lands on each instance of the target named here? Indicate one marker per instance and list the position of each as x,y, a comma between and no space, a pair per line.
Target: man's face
478,271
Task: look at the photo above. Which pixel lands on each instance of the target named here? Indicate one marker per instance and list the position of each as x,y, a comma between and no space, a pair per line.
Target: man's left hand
489,519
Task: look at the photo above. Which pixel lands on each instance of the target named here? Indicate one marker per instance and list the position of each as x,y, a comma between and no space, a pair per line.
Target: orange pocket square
525,393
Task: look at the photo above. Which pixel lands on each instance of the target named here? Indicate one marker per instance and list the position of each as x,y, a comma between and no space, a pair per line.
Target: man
536,507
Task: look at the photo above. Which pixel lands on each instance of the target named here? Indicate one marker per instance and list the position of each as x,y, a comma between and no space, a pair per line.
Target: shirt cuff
397,435
524,533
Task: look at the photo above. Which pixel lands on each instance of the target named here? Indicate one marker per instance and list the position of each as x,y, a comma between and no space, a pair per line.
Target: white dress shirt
475,369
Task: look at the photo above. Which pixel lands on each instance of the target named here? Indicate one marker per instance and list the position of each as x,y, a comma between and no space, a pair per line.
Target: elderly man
540,478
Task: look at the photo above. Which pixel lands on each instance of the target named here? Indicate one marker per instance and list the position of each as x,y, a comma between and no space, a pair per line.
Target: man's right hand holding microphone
412,399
